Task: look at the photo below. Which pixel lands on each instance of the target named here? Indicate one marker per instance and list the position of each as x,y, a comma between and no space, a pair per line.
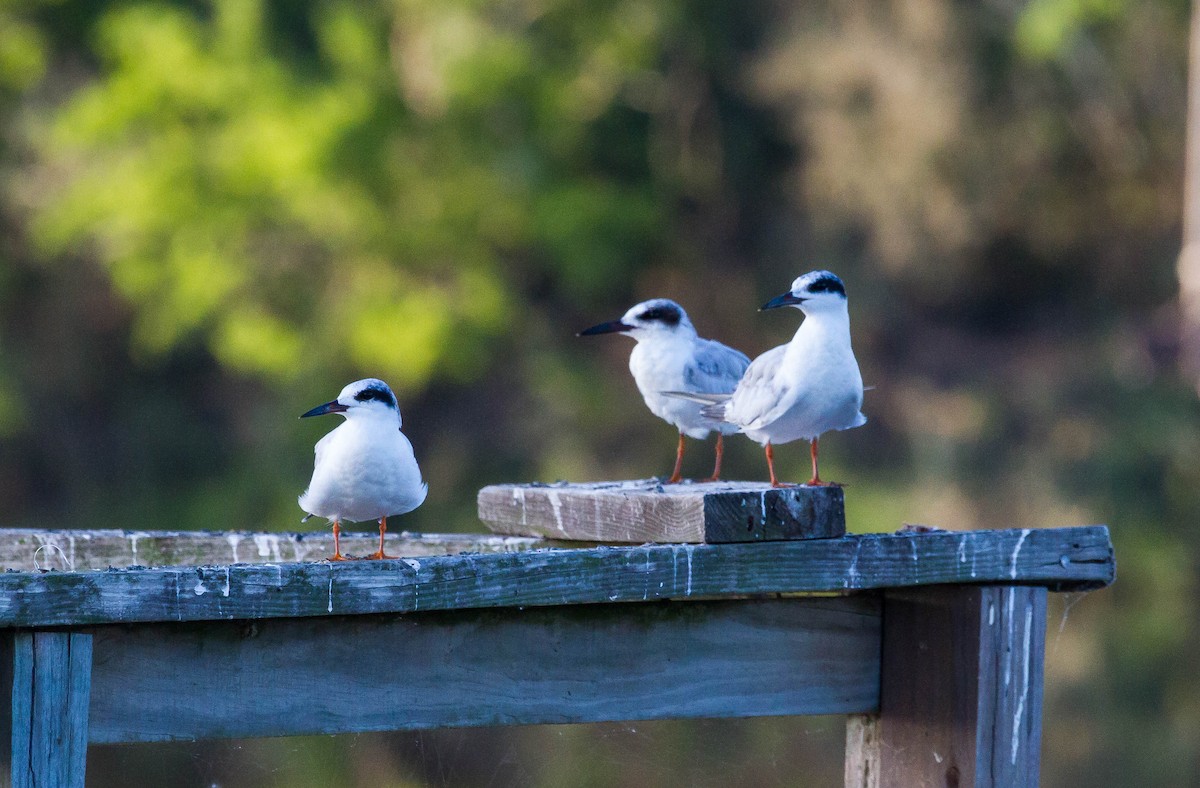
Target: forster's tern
365,468
670,356
804,388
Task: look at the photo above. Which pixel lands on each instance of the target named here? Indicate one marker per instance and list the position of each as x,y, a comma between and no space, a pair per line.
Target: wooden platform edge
1060,559
32,549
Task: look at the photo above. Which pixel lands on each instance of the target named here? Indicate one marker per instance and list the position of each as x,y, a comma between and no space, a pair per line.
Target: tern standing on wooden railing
365,468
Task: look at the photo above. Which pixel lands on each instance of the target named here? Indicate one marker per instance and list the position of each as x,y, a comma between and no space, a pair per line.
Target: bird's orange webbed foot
337,557
378,555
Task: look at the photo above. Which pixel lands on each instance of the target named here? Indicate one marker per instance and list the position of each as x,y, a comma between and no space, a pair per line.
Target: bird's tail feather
705,399
714,404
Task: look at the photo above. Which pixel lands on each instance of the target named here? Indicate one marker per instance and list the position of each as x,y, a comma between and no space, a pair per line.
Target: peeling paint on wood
649,511
1059,559
961,698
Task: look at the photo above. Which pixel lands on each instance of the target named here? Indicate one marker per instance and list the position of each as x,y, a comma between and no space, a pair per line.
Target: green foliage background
213,214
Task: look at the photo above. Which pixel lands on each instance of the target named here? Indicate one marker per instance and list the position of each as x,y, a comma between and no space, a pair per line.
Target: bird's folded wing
714,368
760,397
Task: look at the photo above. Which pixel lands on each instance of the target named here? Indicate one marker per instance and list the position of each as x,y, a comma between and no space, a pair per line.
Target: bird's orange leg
716,476
771,467
815,481
382,530
337,549
676,478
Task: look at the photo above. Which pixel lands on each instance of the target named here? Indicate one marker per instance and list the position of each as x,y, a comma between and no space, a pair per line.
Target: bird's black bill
787,299
328,407
611,327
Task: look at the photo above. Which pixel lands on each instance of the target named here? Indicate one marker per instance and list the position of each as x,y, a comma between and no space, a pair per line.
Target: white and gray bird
804,388
365,468
669,355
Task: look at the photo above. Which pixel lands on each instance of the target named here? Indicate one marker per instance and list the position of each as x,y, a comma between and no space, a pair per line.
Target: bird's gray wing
714,368
758,400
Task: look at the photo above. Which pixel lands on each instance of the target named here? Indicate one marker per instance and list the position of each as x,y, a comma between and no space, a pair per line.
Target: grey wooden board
961,697
1061,559
496,667
649,511
50,694
30,549
861,766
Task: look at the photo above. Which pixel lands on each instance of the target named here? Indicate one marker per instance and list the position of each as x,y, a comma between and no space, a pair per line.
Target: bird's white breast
365,470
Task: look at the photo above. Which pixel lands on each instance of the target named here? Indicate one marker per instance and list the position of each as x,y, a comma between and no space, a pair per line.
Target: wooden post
47,677
961,691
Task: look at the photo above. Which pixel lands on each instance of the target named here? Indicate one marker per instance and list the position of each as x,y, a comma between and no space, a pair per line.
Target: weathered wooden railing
932,641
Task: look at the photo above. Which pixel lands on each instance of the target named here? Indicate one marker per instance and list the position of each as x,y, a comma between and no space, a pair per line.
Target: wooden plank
591,663
862,751
31,549
649,511
961,692
50,697
1061,559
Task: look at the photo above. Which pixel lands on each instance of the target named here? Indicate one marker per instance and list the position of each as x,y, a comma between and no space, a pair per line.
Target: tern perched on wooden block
670,356
365,469
804,388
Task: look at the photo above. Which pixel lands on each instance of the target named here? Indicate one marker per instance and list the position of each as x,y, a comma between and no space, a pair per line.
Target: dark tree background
214,214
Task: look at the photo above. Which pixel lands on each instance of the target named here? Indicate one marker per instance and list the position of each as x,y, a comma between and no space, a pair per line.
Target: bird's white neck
680,335
829,326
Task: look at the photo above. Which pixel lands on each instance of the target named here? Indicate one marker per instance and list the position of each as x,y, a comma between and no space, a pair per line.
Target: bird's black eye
366,395
827,284
668,315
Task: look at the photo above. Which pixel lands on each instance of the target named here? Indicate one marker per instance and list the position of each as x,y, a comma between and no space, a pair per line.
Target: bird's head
816,291
368,398
658,317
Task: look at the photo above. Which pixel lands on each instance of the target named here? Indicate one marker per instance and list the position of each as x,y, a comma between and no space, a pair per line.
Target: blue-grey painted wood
50,700
20,754
961,691
1011,667
1061,559
486,667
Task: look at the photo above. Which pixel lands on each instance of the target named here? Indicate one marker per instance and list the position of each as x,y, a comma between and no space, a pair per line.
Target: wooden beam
1063,559
50,689
961,695
159,682
31,549
649,511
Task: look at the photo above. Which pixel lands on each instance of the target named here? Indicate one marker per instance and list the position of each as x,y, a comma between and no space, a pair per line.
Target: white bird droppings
1012,572
556,507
